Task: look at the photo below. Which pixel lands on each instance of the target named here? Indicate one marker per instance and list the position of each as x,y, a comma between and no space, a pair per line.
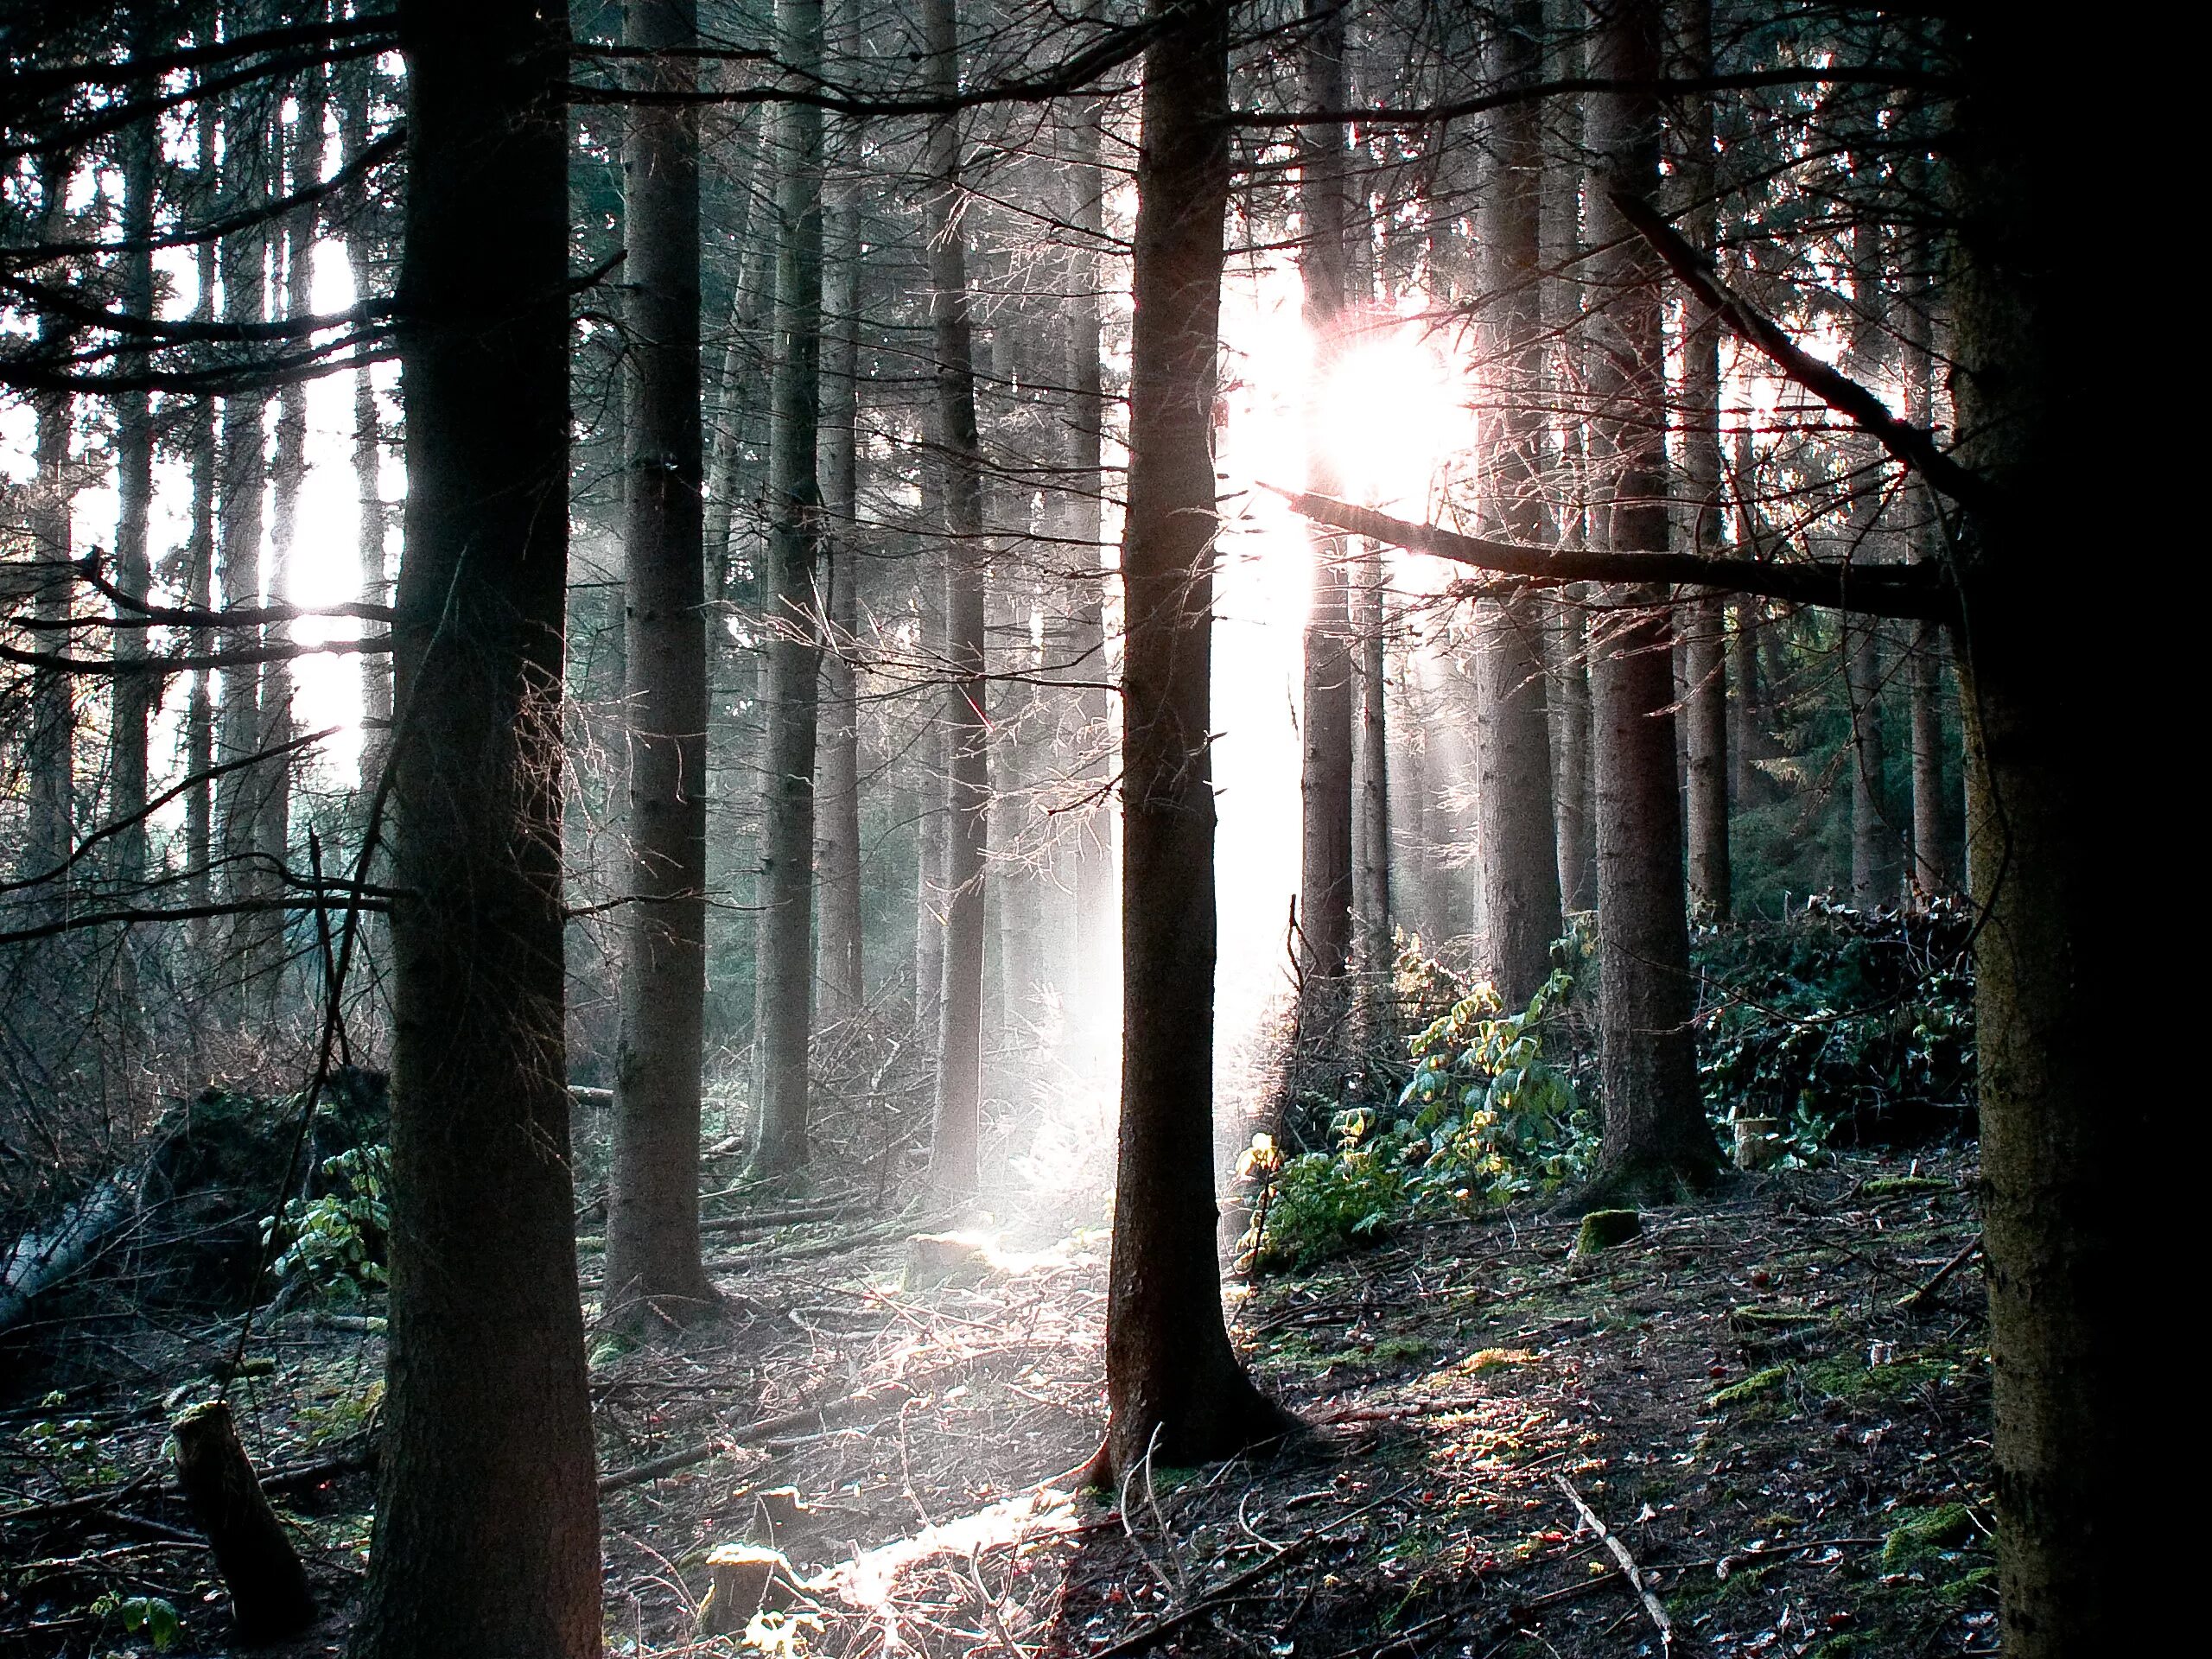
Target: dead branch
1620,1553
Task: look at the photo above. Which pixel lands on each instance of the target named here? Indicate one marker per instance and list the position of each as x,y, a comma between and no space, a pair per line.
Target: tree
486,1519
1654,1133
1517,850
133,694
837,829
792,609
1873,870
1705,704
51,750
1175,1388
1325,887
653,1271
955,1127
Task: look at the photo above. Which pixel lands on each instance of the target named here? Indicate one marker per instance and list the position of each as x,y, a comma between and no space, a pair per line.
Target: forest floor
1795,1463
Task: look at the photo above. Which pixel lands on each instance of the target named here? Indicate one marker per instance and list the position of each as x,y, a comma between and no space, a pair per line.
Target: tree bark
1873,837
199,595
2062,1150
353,87
134,695
1933,811
837,833
486,1516
791,608
241,479
1655,1137
50,744
1371,824
1325,887
1516,838
653,1270
1175,1388
269,1596
955,1127
1705,702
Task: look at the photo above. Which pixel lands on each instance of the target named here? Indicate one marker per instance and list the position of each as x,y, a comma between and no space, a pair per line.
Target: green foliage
78,1450
334,1242
155,1617
1838,1019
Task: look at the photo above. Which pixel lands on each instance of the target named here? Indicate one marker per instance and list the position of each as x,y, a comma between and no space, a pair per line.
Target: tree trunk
240,482
1096,1006
50,749
2062,1150
133,694
791,607
1874,838
653,1271
1371,871
1175,1388
1516,846
955,1128
929,815
199,595
837,833
1324,889
269,1597
1934,858
1705,704
1654,1137
486,1536
354,81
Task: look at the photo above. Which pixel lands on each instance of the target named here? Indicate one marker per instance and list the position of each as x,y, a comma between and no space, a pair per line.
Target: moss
1751,1388
1851,1378
1890,1186
1922,1532
1604,1228
1772,1319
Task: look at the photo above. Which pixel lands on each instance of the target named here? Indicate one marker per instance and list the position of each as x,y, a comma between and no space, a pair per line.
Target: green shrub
334,1242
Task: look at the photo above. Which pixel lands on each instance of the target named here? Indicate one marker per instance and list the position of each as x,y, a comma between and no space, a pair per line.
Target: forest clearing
1186,826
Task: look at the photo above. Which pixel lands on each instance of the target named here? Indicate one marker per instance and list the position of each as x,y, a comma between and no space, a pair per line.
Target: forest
1221,827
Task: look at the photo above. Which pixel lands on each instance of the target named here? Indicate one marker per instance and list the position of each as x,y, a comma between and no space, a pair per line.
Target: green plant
78,1449
334,1242
155,1617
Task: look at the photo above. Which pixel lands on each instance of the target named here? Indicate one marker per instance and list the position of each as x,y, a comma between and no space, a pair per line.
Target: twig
1628,1568
1138,1641
1920,1297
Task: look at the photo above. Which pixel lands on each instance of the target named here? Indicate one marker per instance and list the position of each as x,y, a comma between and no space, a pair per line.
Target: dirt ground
1794,1461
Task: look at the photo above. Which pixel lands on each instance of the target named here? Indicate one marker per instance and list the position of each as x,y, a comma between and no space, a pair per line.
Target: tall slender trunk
1566,665
653,1270
1654,1134
1516,839
1933,811
51,746
1873,835
133,694
930,818
1175,1387
1324,890
199,595
486,1538
1371,820
955,1127
241,480
353,85
302,165
1705,619
752,294
837,829
1097,976
1749,739
791,607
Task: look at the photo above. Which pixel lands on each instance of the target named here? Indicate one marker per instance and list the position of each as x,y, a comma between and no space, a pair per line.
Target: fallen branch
1629,1568
1921,1298
766,1428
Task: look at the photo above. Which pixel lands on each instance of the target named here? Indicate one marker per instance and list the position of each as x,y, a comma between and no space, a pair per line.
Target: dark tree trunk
955,1130
1704,619
353,86
837,831
50,747
1325,887
1517,852
240,484
269,1596
487,1536
791,608
1655,1138
199,595
1175,1387
653,1271
1873,833
2063,1190
133,694
1935,859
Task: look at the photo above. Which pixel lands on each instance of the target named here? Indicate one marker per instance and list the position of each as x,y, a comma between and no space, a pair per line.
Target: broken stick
1920,1297
1629,1568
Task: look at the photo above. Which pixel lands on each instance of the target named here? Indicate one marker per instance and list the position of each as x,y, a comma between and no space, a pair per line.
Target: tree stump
1603,1228
742,1580
776,1513
269,1598
1756,1146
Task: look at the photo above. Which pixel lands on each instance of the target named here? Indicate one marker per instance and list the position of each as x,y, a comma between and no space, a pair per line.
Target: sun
1395,415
